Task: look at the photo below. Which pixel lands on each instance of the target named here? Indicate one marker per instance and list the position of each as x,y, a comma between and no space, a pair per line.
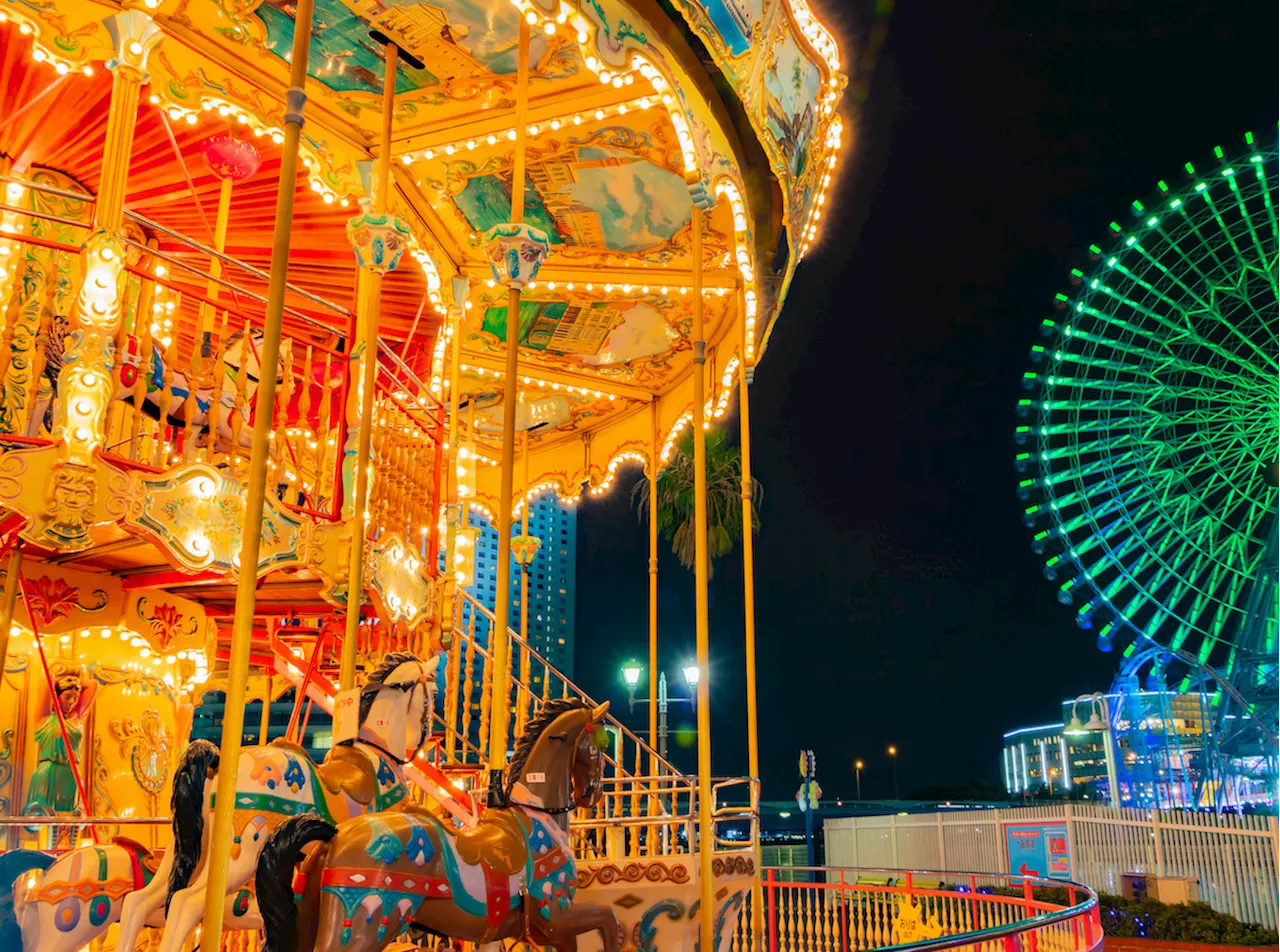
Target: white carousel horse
81,895
278,781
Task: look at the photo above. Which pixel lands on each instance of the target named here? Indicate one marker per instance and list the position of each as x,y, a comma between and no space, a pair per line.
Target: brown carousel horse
513,876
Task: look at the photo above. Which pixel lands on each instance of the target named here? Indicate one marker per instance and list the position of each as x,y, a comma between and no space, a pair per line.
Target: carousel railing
824,909
187,358
534,681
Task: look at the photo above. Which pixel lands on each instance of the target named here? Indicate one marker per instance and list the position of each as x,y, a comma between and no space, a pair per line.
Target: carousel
258,383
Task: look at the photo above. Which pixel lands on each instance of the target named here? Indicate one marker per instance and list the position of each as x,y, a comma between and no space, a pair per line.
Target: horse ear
599,713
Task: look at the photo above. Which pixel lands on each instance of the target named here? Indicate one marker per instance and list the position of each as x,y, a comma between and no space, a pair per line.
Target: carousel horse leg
563,930
187,905
142,905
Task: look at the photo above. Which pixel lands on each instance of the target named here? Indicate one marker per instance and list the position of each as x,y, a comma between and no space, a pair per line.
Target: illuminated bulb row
624,288
437,384
232,112
9,249
742,242
429,272
810,231
534,129
538,382
534,491
711,412
816,34
611,471
39,53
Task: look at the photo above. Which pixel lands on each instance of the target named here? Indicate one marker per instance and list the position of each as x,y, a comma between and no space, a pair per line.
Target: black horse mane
378,677
524,747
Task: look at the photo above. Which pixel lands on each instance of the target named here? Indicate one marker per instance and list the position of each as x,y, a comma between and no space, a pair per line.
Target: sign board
346,715
1038,849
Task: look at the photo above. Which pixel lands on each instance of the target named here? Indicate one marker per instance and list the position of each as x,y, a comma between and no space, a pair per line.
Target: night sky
898,597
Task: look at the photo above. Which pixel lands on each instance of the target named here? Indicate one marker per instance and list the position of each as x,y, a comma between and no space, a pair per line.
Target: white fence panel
1233,858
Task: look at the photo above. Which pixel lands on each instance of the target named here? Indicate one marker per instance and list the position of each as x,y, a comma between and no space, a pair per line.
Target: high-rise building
551,578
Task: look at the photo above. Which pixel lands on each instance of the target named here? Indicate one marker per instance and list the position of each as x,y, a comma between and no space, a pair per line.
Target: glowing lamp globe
691,674
230,158
631,673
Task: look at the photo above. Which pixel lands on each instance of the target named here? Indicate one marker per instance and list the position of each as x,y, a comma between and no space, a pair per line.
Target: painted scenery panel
791,86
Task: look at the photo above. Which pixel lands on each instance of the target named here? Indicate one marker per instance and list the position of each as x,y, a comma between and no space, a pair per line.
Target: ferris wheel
1149,444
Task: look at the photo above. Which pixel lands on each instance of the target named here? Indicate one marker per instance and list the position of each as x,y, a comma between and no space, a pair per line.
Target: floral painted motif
52,598
167,622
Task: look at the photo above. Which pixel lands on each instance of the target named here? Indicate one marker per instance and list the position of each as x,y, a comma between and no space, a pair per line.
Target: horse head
397,701
559,758
239,357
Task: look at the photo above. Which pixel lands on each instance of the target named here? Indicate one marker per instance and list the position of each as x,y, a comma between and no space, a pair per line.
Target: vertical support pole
654,463
205,325
368,304
247,583
745,373
455,516
706,837
9,601
499,646
85,382
942,844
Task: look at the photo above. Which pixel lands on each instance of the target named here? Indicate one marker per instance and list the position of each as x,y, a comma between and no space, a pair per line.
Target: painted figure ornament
278,781
512,877
53,784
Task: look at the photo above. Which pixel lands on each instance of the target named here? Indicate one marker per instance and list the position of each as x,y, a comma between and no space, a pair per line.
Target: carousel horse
80,895
277,781
237,359
513,876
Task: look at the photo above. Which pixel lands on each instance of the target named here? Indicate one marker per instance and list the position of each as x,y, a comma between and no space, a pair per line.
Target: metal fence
1233,858
852,910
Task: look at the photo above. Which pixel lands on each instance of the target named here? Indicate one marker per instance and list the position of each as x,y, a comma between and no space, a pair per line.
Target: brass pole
8,602
499,647
455,515
524,530
215,267
370,294
654,463
745,372
256,490
706,835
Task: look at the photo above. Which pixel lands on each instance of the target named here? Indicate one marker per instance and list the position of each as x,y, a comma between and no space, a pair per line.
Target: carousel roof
626,118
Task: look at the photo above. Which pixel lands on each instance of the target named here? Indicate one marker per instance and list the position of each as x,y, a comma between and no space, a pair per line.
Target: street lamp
893,756
631,672
1099,720
857,770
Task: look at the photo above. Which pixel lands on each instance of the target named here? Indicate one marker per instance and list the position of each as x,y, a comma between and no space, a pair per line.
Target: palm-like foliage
724,499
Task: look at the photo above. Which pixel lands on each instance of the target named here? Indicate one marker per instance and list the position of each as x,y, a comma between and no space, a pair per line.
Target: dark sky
898,598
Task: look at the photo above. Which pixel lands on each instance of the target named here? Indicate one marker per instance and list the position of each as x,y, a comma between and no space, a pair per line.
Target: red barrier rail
824,909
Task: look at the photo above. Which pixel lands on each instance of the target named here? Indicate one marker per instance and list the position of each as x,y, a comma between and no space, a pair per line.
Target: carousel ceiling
622,118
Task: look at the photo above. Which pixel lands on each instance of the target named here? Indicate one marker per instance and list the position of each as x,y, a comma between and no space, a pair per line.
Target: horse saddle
499,841
345,770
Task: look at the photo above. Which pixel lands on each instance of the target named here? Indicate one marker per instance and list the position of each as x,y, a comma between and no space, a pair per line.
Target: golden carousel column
86,382
455,515
379,240
525,548
256,490
706,834
654,463
745,374
516,252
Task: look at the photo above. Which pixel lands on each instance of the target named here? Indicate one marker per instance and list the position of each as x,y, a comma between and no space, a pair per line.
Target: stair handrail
657,758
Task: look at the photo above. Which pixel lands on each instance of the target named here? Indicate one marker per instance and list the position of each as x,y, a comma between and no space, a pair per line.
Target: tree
724,499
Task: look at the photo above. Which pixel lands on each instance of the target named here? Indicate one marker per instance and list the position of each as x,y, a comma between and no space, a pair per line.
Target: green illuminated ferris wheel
1149,445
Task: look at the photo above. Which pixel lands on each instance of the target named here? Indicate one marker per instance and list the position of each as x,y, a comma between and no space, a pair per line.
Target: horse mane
378,677
524,747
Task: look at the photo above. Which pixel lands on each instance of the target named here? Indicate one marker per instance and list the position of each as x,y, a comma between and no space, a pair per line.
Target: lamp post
857,773
893,757
631,673
1099,720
